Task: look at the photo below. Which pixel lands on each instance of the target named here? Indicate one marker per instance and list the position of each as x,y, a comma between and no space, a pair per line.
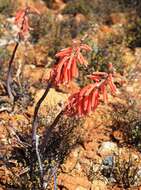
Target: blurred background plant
8,7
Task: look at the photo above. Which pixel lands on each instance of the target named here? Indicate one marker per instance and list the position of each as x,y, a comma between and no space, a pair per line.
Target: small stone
80,18
3,42
119,18
98,185
80,188
71,161
108,161
73,182
107,148
106,29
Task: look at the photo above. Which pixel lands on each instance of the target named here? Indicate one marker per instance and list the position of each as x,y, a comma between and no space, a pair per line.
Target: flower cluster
87,99
22,20
66,68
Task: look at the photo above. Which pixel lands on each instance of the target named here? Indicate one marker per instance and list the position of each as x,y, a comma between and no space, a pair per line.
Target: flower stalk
9,74
35,142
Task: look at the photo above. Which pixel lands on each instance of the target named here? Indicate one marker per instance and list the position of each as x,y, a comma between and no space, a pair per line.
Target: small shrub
134,134
133,30
126,119
7,7
78,6
125,171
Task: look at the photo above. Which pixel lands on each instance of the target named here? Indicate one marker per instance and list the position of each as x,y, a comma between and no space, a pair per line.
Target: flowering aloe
21,20
66,69
63,72
81,103
87,99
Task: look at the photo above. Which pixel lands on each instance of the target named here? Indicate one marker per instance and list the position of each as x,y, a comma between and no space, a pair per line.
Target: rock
118,135
73,182
40,55
108,161
32,73
3,42
98,185
80,18
52,100
80,188
90,154
58,5
35,55
119,18
107,149
106,29
71,161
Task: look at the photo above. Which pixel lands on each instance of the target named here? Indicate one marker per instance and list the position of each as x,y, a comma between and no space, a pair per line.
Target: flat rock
51,101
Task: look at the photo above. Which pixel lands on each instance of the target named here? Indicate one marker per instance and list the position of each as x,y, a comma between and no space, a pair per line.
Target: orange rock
58,4
36,54
106,29
118,135
118,18
51,101
90,154
71,161
33,74
80,188
73,182
98,185
80,18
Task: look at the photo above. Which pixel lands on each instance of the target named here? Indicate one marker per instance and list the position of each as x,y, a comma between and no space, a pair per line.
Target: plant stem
50,129
9,77
34,132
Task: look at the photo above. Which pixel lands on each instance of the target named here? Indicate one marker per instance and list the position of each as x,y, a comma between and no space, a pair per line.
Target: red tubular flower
87,99
83,102
22,21
66,69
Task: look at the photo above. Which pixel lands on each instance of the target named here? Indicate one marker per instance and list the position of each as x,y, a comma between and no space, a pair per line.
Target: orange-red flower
84,101
22,21
66,69
88,98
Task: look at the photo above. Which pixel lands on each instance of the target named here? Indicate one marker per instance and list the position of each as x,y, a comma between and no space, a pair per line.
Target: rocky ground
98,152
